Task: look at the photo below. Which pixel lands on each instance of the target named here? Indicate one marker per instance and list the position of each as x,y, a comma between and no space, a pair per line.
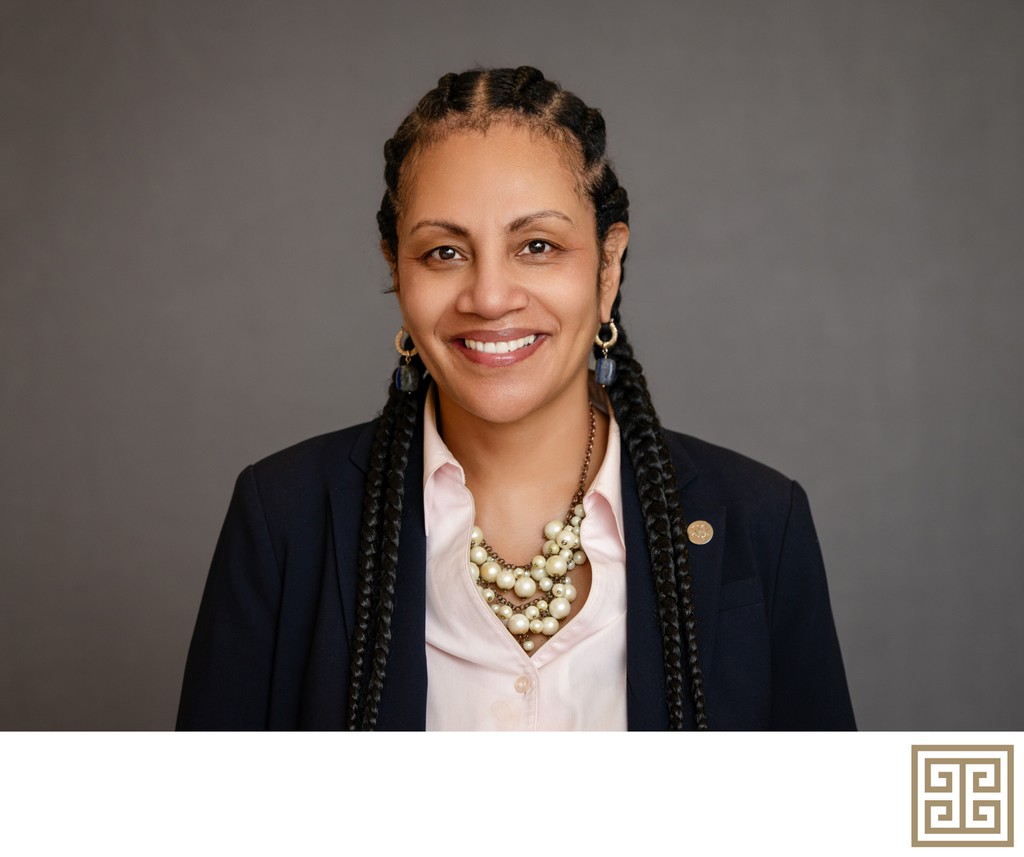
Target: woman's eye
444,254
537,248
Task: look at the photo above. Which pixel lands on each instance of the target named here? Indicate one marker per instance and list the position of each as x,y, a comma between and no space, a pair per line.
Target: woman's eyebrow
446,225
527,219
513,226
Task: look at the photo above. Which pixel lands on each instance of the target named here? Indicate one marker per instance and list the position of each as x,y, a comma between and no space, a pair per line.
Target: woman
530,541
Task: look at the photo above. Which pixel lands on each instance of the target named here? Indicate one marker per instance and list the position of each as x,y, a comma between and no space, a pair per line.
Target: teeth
502,347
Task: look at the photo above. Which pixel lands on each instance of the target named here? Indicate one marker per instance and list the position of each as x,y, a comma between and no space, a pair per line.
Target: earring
604,368
407,376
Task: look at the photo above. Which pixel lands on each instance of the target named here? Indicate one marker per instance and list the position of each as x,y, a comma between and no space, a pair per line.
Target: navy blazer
271,644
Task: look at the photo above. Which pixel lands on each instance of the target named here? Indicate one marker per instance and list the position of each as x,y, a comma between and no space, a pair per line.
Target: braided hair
475,100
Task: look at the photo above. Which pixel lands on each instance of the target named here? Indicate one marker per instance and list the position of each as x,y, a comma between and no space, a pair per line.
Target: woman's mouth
501,347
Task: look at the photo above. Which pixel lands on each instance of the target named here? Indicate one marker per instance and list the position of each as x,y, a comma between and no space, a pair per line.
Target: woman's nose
491,290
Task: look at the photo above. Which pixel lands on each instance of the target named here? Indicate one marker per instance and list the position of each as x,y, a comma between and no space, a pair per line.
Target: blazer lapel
705,559
706,574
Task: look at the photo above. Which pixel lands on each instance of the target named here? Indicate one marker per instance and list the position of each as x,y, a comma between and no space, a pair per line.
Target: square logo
962,795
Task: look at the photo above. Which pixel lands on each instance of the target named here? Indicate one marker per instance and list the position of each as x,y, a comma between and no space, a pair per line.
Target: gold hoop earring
407,376
604,367
604,345
400,341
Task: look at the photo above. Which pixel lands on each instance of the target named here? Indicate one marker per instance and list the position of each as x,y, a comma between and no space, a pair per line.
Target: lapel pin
700,532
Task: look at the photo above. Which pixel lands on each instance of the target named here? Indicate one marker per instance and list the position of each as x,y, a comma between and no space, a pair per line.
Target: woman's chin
502,403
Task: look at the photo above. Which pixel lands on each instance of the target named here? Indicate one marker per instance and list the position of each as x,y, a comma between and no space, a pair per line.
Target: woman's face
497,272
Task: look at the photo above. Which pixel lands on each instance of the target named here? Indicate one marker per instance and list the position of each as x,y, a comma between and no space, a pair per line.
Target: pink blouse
478,677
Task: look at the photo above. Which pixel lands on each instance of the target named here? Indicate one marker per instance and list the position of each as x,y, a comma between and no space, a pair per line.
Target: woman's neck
542,451
525,473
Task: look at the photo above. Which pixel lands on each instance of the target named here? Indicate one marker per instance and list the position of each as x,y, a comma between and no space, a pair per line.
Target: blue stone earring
604,368
407,377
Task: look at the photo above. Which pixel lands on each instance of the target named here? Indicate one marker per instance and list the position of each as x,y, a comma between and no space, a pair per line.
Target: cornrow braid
394,490
366,584
667,542
475,100
378,555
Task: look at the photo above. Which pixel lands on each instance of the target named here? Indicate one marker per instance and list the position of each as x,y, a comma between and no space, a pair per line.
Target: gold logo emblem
963,795
700,532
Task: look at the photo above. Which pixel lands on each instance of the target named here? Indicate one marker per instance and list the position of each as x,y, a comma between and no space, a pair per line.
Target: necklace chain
547,572
573,503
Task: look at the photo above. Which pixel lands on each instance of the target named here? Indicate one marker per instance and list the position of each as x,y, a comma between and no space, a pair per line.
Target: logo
963,795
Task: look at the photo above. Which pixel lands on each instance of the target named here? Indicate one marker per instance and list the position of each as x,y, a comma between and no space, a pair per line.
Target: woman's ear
612,253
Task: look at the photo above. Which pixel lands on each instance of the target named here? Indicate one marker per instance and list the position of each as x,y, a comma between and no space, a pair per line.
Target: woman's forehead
504,165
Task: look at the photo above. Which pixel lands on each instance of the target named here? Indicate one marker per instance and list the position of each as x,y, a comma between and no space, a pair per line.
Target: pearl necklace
548,572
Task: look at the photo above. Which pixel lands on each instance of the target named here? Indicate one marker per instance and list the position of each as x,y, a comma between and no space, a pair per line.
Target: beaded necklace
544,581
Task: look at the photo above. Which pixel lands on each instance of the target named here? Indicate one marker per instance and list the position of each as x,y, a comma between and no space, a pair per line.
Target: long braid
667,542
475,100
367,584
405,424
378,555
639,426
680,543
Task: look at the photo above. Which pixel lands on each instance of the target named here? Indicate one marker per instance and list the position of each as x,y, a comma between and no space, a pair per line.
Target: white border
165,793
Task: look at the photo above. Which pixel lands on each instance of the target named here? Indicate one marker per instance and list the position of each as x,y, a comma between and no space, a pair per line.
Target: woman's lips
497,348
501,346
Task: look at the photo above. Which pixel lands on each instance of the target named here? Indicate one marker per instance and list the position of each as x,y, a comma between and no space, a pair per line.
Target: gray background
826,273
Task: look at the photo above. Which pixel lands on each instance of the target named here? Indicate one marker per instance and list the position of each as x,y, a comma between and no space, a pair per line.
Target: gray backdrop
826,273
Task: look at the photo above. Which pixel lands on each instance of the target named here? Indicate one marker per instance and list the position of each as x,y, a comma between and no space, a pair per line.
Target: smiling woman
630,577
496,246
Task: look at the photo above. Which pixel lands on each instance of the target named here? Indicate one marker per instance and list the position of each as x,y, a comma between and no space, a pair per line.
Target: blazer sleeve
230,661
809,689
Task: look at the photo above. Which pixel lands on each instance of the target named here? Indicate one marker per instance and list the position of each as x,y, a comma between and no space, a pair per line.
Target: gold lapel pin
700,532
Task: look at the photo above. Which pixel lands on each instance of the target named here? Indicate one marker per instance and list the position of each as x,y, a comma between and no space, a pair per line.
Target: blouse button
523,684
